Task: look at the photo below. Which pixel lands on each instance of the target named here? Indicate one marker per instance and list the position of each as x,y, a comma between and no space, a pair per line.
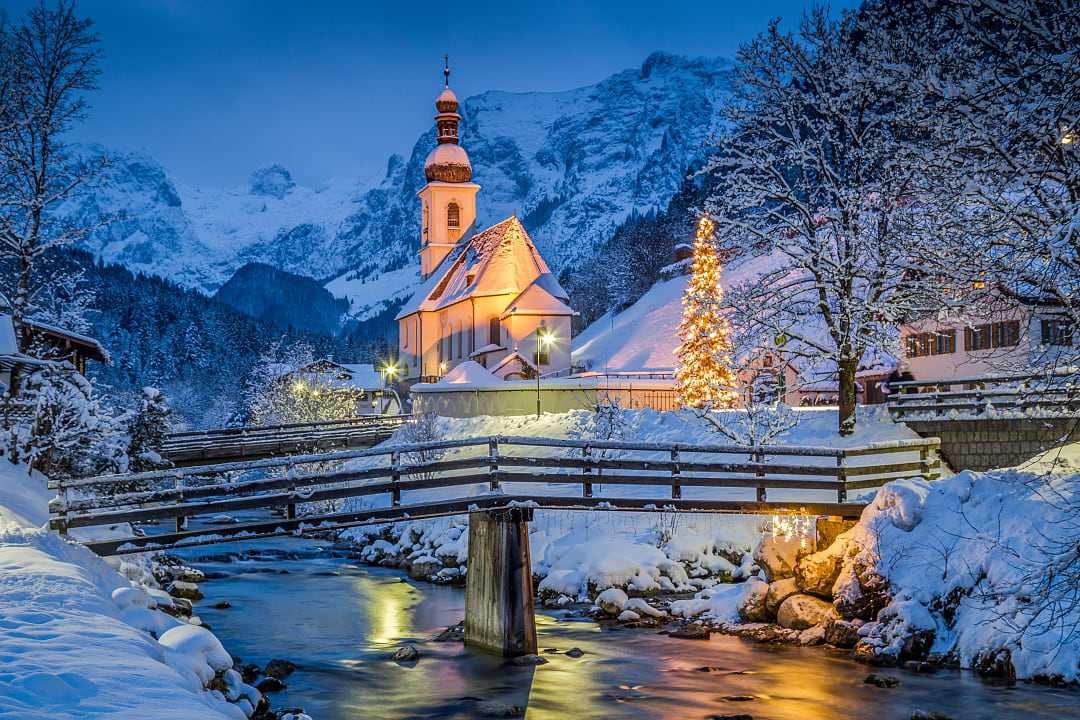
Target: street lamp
543,339
390,370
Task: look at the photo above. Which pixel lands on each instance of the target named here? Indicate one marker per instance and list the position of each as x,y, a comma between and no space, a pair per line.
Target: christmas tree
703,375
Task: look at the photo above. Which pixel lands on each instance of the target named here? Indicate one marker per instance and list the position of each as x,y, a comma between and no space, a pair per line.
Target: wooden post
290,510
841,477
924,461
499,615
395,478
586,472
759,458
493,464
676,487
178,484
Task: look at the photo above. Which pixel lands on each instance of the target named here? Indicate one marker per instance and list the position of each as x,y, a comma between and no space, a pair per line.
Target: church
485,295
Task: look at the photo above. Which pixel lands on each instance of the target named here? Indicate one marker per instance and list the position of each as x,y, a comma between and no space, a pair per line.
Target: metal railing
685,474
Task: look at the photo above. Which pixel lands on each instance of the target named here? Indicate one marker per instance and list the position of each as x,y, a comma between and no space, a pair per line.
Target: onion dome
447,101
448,162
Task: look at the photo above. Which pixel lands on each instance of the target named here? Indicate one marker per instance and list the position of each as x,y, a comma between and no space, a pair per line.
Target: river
340,623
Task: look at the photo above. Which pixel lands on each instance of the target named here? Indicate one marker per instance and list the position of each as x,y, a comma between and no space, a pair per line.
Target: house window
405,335
453,216
941,342
1057,331
992,335
494,331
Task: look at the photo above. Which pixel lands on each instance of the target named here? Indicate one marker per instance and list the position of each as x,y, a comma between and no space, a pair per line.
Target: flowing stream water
340,623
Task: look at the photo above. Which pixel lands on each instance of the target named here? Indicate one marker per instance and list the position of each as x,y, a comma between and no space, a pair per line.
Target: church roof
543,296
498,261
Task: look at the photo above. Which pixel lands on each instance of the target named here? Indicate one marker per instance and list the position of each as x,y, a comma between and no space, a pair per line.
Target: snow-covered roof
498,261
94,348
543,296
468,372
515,355
489,348
8,343
360,376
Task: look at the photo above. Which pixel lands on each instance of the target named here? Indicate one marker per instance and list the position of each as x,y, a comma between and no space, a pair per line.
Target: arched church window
453,216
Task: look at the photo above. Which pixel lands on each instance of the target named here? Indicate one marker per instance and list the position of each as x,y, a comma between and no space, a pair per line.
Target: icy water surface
340,623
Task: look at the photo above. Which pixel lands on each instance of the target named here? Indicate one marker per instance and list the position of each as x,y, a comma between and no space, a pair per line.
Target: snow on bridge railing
1053,393
182,493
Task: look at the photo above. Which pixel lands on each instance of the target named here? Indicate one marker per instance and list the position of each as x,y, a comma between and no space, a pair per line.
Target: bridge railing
996,395
683,473
262,440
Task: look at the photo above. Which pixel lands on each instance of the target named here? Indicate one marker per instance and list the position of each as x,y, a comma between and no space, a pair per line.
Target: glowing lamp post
543,339
390,371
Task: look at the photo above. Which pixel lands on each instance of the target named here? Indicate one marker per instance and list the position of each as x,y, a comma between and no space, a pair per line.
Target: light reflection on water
340,623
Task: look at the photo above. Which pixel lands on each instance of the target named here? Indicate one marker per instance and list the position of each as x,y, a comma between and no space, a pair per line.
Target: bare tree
816,181
50,62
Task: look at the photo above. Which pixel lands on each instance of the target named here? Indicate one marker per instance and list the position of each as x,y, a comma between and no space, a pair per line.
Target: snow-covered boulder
817,573
643,608
752,605
777,555
612,601
779,591
800,612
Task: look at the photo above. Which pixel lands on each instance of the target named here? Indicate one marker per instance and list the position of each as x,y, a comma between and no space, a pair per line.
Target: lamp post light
390,370
543,339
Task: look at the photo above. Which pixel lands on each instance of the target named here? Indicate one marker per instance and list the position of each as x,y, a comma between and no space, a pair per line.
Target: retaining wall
993,443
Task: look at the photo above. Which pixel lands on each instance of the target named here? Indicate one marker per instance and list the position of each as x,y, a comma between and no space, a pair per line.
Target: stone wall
987,444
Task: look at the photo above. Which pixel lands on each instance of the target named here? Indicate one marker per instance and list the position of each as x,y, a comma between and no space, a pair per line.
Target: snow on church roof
498,261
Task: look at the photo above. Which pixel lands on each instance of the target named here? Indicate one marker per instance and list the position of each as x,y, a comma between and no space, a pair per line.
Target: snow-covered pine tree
147,430
703,376
277,394
69,432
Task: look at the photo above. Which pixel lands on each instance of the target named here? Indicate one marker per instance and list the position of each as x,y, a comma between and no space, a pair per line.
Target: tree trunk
847,368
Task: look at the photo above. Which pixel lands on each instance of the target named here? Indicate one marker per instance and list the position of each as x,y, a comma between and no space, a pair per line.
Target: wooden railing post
493,464
61,515
290,473
395,478
924,461
758,457
586,472
676,485
178,485
841,477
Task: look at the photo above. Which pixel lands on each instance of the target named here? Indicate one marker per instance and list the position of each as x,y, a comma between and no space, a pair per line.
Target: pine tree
147,430
703,375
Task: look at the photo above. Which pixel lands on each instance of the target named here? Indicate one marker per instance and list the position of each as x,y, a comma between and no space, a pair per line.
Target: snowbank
78,639
982,568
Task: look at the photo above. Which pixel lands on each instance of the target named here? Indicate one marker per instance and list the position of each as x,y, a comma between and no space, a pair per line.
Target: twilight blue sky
215,89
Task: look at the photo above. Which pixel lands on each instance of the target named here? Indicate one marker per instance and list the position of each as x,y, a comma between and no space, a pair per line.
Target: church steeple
448,201
448,162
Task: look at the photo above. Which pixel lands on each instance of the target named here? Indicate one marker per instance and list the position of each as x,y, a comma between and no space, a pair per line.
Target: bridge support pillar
499,615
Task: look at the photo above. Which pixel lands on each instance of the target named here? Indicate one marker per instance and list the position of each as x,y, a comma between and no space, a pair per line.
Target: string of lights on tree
704,377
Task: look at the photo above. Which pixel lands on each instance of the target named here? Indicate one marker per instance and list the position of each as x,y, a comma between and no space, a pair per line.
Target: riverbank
82,637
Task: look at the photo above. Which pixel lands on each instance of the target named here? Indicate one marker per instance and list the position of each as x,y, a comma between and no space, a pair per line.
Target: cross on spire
446,69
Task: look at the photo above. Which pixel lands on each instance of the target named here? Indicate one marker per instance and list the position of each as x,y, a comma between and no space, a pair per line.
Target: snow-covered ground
78,639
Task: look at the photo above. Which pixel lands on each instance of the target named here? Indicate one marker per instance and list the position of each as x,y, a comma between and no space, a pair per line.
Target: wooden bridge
199,447
498,481
986,396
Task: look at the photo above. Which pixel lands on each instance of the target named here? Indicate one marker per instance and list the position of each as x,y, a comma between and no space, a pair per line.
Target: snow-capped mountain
571,164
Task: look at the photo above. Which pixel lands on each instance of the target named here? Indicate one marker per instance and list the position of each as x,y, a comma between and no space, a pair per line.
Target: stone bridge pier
499,615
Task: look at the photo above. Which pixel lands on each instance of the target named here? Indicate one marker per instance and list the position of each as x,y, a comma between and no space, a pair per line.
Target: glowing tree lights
703,374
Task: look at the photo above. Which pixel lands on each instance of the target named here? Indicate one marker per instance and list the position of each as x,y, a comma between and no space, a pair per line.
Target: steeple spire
448,162
446,69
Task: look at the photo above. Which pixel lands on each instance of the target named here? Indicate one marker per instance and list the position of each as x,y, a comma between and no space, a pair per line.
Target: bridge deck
660,472
262,441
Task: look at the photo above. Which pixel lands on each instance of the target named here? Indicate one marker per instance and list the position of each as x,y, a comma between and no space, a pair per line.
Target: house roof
543,296
515,355
500,260
360,376
90,346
